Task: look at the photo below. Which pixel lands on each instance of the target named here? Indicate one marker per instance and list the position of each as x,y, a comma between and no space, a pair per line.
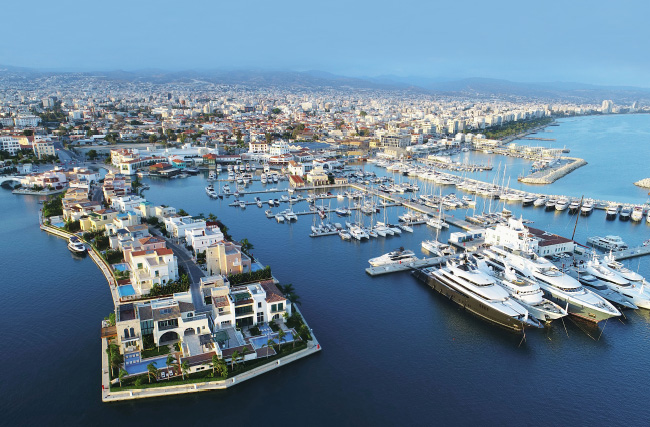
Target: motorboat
242,204
398,256
600,288
525,290
541,201
626,211
226,189
587,207
209,190
612,211
626,273
437,223
529,200
463,283
437,248
345,235
342,211
561,204
279,218
358,233
263,178
75,245
405,227
259,203
637,213
574,206
550,204
614,243
212,176
290,216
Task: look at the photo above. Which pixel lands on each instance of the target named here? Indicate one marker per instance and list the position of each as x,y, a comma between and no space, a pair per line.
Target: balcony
193,318
167,327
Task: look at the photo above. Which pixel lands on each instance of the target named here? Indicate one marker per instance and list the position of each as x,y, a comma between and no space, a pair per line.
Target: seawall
553,174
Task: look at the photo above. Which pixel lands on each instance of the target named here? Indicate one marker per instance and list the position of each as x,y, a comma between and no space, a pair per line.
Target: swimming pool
260,341
141,367
121,267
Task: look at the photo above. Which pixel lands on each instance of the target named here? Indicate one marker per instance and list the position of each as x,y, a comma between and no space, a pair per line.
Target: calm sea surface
394,351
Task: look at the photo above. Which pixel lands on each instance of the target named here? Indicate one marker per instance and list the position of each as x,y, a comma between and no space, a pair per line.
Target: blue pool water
121,267
259,342
141,367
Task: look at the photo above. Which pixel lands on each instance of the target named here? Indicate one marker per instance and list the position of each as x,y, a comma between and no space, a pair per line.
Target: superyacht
398,256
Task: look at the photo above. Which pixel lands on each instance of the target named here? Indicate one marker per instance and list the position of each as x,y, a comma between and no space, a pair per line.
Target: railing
167,327
199,317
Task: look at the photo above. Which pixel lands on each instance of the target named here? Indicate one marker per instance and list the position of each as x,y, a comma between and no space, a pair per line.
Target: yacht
608,242
526,291
621,270
226,189
613,280
612,211
600,288
540,201
209,190
637,213
587,207
75,245
574,206
279,218
212,176
242,204
626,211
405,227
462,282
218,168
345,235
342,211
358,233
529,200
550,204
437,248
557,286
398,256
290,216
259,203
437,223
561,204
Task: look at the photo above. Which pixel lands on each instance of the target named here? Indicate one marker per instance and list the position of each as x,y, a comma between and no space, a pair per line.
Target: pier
396,268
533,138
632,252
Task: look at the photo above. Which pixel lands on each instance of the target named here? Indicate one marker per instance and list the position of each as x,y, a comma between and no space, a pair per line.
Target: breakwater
551,175
644,183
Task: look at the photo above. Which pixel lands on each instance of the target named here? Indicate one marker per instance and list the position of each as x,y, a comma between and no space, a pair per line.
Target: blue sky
585,41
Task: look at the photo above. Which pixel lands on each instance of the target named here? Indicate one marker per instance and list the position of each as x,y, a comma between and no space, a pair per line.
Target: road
184,258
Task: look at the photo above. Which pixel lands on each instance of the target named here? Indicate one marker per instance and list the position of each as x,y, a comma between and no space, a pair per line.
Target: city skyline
593,43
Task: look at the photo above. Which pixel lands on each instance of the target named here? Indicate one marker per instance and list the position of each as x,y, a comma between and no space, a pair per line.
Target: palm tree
212,217
222,368
152,371
281,335
287,289
246,246
121,375
268,344
185,368
215,361
169,362
233,359
244,352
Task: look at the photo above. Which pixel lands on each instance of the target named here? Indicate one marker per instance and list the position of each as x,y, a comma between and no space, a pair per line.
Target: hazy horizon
586,42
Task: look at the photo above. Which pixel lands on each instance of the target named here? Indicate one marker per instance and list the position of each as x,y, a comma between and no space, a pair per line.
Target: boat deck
396,268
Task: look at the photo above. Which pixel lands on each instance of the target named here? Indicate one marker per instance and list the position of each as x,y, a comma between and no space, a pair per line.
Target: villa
226,258
151,267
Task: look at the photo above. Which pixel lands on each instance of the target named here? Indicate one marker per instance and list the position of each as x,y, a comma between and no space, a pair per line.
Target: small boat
561,204
637,213
528,200
345,235
405,228
626,211
259,203
550,204
587,208
437,248
279,218
75,245
612,212
540,201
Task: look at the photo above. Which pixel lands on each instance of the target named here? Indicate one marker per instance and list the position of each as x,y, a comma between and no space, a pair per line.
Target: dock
396,268
632,252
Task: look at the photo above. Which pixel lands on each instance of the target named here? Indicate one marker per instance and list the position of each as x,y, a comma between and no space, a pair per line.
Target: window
274,307
260,317
132,332
157,273
126,333
259,305
280,307
139,265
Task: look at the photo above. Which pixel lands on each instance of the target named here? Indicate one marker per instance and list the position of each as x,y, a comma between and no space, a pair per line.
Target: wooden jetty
396,268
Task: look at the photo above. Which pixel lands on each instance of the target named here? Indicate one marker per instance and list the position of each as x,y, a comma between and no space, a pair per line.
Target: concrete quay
551,175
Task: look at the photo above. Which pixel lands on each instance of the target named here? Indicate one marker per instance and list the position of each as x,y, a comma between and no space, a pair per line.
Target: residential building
226,258
152,267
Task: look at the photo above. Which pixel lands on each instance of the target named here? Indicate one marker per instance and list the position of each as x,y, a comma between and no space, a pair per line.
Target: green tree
281,337
116,358
185,368
246,246
363,113
28,132
233,359
152,371
169,362
222,368
121,375
215,362
268,345
244,351
92,154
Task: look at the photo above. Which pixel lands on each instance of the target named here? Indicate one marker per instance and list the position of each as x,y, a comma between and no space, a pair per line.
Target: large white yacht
398,256
558,287
636,294
525,290
437,248
562,203
623,271
608,242
462,282
75,245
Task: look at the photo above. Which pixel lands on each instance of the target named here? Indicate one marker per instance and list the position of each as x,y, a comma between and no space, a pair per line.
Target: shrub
255,276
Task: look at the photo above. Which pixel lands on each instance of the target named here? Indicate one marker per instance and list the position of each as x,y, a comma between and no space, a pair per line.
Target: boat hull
475,307
577,309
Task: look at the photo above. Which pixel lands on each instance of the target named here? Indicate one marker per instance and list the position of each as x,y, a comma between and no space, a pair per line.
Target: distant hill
314,79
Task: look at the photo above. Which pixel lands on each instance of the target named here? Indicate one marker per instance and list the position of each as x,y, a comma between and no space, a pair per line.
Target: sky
598,42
